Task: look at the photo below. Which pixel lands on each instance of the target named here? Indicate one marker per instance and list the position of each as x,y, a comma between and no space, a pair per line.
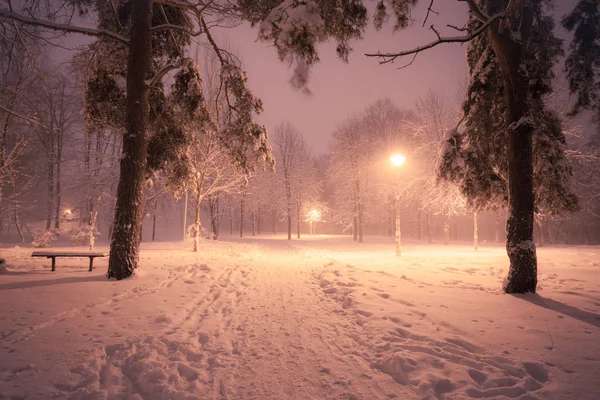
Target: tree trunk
242,217
231,218
360,223
289,223
125,243
197,218
91,228
274,216
50,184
446,229
258,220
298,219
184,211
59,149
355,229
154,226
540,233
522,274
428,222
213,207
475,232
419,224
253,223
497,227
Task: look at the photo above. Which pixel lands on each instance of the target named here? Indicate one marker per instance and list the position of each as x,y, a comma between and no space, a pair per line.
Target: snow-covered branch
390,57
8,14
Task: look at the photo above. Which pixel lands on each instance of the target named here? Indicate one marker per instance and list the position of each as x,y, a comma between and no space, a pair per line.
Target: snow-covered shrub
81,235
44,238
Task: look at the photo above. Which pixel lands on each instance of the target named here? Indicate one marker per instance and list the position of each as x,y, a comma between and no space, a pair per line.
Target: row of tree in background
351,187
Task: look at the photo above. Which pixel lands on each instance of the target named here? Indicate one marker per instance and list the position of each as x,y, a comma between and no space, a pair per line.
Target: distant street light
313,216
397,160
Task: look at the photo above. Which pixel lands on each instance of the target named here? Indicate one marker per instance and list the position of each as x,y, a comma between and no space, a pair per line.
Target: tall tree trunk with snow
509,50
446,229
475,232
124,249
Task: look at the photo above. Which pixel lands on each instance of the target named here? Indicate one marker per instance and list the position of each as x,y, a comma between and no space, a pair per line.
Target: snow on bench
76,254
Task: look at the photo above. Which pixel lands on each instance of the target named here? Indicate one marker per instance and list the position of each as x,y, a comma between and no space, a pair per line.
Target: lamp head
397,159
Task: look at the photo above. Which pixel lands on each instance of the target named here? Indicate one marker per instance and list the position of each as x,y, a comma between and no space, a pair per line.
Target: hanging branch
7,14
390,57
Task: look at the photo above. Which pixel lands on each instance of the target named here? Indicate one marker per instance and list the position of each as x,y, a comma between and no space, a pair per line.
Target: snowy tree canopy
474,155
583,62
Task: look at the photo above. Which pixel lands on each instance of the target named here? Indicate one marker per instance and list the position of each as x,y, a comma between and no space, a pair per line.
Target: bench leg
53,264
91,263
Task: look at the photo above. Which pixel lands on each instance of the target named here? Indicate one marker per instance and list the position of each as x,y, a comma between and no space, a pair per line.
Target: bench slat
66,254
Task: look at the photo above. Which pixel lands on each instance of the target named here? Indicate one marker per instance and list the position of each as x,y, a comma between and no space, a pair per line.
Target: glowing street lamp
397,160
313,216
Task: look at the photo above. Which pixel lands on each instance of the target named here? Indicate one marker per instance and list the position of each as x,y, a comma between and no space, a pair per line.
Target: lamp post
397,160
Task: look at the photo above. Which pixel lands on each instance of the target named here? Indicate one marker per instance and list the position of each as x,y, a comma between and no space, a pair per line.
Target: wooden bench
75,254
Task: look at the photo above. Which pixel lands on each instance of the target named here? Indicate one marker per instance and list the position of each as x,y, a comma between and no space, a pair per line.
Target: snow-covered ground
318,318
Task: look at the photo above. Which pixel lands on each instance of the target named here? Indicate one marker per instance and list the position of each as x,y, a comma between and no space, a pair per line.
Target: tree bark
274,216
522,274
125,243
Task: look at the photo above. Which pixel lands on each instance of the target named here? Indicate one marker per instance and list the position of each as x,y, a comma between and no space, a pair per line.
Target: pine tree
583,62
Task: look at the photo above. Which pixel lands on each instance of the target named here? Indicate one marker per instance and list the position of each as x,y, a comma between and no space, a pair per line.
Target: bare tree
290,150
